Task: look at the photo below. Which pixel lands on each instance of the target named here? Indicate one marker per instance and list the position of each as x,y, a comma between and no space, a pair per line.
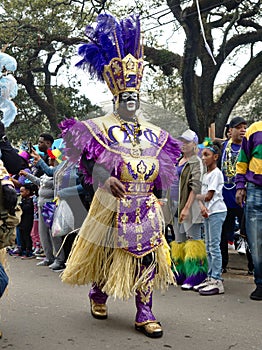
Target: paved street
39,312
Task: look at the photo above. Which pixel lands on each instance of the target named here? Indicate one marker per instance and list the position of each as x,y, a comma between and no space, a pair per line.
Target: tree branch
164,59
237,88
237,41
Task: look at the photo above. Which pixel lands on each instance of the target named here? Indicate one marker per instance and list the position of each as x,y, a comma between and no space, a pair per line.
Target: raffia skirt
95,257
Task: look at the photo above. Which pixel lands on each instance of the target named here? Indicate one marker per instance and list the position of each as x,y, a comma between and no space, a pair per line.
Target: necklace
230,158
136,150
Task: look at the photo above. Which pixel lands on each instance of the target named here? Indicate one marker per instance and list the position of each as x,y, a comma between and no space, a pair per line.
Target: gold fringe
114,269
84,264
99,226
164,275
95,256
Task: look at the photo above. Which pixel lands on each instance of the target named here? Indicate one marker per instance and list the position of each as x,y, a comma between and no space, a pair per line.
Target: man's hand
241,196
23,172
114,186
35,155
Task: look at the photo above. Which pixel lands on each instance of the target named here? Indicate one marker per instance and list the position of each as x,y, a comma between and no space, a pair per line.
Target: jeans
253,216
213,228
186,231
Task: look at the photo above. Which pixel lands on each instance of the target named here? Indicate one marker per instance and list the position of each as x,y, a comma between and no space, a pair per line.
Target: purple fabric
79,140
21,179
75,135
97,295
48,211
168,156
251,152
180,278
143,219
196,279
144,301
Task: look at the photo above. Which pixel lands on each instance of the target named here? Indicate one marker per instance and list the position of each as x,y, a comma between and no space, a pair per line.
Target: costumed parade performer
121,248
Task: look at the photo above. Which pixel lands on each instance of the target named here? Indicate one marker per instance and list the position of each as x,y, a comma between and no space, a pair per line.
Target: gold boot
98,311
150,329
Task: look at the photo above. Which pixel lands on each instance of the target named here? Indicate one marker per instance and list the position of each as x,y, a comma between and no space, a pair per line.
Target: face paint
128,96
128,102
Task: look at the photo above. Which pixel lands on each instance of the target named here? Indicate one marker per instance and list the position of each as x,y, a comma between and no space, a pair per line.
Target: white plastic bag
63,222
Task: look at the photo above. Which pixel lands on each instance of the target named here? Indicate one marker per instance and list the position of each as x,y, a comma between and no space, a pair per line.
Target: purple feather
107,40
109,26
93,60
90,32
131,35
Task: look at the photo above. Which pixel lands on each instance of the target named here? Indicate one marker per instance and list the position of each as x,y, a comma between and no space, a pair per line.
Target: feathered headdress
114,53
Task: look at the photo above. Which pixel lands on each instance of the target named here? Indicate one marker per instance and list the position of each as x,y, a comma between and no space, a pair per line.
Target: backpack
8,222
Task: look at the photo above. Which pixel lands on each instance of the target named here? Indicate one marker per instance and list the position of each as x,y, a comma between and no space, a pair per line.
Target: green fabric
194,266
179,264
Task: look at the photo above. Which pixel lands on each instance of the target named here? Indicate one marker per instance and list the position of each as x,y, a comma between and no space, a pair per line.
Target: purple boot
98,302
145,320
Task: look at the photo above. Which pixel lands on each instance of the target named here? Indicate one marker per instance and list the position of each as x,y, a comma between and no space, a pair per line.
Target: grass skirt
95,257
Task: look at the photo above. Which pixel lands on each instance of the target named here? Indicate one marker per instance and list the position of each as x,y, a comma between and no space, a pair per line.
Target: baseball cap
189,135
236,121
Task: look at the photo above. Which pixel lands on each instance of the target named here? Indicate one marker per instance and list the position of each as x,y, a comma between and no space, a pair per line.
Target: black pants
26,241
250,264
229,227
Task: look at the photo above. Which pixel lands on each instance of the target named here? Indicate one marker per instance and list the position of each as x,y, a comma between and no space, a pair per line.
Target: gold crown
124,74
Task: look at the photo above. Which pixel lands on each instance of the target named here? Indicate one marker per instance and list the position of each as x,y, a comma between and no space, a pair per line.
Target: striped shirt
249,165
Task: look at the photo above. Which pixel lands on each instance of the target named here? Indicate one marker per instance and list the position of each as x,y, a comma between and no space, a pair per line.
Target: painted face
208,157
128,102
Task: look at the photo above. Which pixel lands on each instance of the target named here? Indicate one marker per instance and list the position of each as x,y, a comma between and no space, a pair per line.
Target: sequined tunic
149,165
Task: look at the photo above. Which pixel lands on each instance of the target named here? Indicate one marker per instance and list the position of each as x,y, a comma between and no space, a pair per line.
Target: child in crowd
214,210
19,181
37,248
27,220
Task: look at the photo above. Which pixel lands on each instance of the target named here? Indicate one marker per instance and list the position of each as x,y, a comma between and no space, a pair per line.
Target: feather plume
107,40
131,35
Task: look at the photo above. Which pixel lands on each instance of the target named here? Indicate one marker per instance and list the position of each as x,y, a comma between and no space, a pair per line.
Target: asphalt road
39,312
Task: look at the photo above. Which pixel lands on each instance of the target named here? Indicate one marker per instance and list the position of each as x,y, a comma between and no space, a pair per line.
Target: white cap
189,135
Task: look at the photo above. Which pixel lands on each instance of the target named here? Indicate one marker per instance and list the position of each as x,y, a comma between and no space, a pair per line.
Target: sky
171,39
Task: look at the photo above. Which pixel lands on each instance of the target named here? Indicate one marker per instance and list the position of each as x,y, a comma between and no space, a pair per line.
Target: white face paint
128,103
131,106
129,95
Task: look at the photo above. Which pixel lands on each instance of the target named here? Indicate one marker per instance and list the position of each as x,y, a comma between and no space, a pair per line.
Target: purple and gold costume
118,233
121,248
